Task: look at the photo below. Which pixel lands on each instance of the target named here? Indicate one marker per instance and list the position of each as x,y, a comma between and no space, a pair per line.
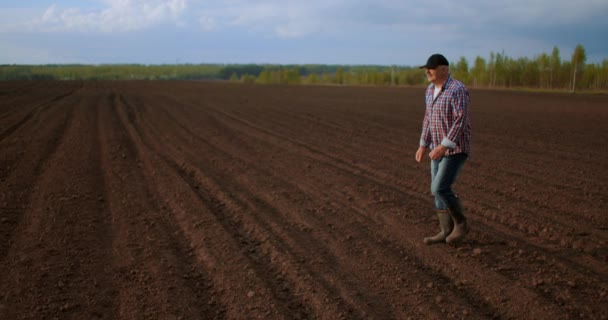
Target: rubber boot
461,228
445,224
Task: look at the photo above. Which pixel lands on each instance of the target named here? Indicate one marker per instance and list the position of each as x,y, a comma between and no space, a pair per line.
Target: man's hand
420,153
438,152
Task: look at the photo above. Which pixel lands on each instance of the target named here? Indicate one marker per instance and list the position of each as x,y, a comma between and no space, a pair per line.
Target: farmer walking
446,132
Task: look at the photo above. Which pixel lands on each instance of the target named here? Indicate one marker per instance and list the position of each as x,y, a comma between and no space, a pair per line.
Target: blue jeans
443,174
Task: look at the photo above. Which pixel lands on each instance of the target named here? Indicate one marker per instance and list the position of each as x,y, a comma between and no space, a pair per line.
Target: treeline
268,74
329,74
110,72
545,71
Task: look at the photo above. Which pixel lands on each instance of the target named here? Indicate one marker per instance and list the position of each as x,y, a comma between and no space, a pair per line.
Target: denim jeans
443,174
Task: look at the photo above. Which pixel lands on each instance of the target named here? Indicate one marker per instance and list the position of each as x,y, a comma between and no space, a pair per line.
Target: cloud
284,19
119,15
343,30
288,18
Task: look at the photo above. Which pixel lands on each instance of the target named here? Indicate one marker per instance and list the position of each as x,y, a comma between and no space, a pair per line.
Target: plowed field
195,200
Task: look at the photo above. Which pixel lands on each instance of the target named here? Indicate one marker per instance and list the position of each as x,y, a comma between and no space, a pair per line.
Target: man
446,132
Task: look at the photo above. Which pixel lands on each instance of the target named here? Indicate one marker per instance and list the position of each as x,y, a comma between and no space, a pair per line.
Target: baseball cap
434,61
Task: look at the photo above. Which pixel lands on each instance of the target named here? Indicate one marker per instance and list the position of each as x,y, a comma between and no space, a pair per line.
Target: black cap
434,61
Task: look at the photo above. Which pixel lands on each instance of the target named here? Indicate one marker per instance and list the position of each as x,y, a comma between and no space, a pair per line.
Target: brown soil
194,200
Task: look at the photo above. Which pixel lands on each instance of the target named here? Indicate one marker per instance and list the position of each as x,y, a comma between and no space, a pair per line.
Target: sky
353,32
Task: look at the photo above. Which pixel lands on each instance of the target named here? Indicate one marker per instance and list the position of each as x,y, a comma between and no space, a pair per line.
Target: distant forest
545,71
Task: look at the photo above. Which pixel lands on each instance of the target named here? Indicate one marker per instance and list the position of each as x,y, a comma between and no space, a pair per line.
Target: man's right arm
425,136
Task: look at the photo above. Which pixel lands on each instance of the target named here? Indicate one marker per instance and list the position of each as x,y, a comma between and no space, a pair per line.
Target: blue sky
382,32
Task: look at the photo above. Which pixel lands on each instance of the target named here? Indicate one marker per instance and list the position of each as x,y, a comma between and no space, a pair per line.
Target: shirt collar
446,83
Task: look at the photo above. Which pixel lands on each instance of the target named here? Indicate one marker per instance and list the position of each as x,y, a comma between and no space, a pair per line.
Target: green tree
603,81
590,78
492,70
248,79
479,72
264,77
544,67
499,69
312,78
339,76
578,63
461,70
556,65
528,72
234,77
326,78
293,76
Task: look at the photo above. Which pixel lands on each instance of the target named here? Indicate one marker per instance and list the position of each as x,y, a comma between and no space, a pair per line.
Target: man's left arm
460,106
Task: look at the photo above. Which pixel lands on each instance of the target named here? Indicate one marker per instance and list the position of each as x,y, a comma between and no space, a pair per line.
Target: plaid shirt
446,120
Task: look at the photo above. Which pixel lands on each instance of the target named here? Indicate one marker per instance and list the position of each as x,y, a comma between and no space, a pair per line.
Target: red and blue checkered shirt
446,120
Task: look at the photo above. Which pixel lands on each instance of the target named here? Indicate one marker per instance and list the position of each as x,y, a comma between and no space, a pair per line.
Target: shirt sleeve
425,137
459,105
448,143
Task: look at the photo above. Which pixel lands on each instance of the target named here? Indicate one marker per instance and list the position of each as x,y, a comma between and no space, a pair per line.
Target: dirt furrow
533,220
220,251
28,115
50,258
228,206
155,273
521,185
16,88
23,161
25,114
